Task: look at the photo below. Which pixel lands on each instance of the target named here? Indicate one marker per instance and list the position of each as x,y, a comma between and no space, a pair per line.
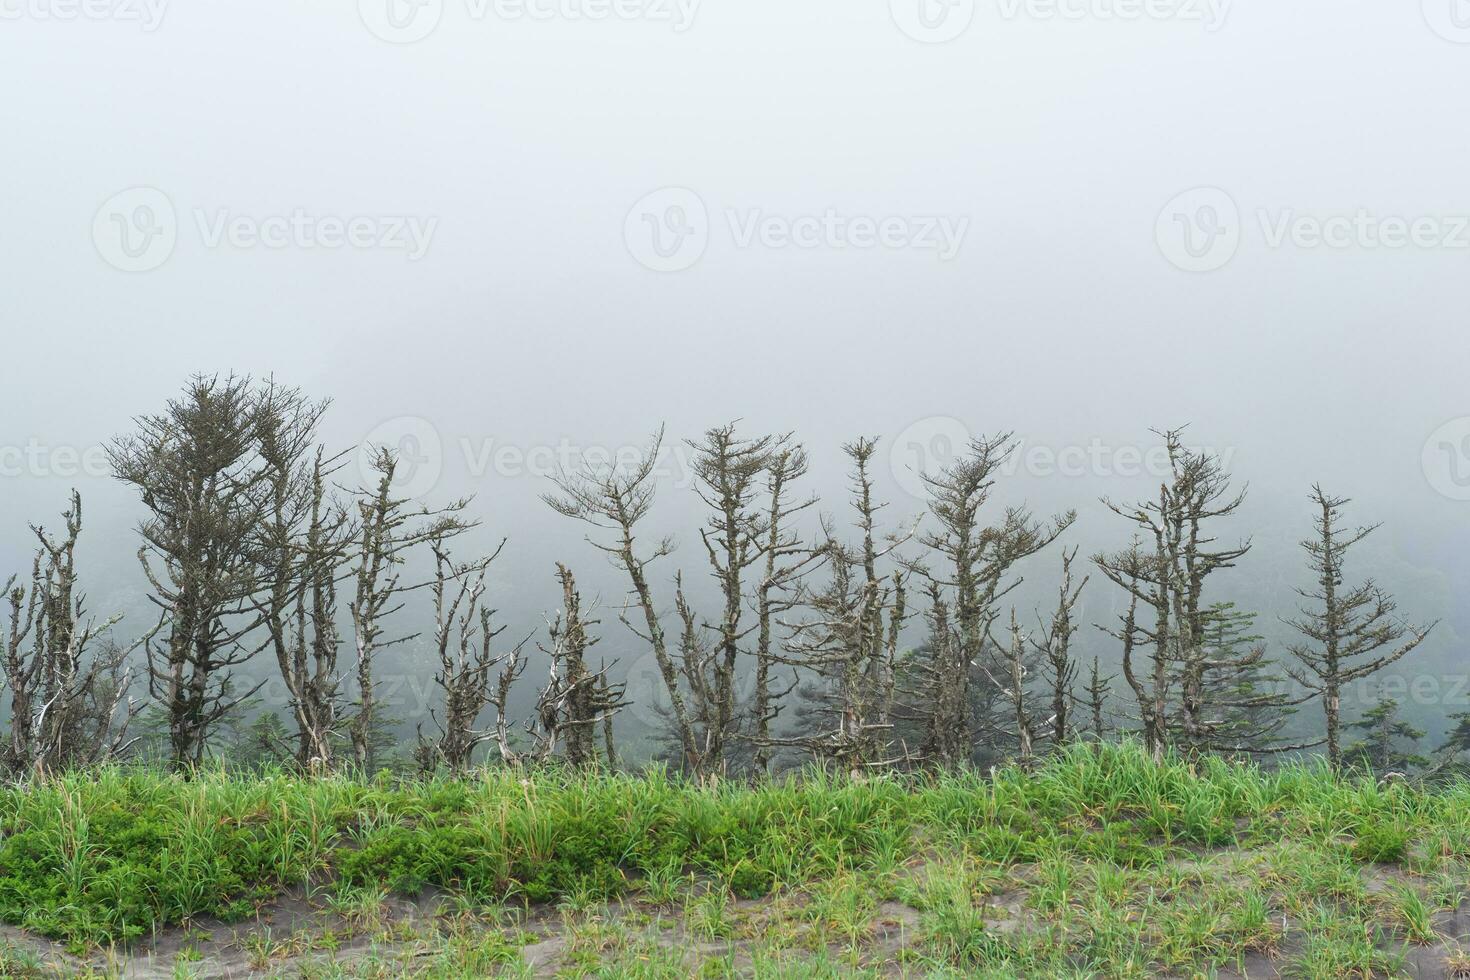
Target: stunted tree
1138,574
197,468
727,470
849,635
389,528
1016,664
576,700
1094,699
1352,632
69,703
575,704
304,542
616,501
785,559
972,563
1388,744
463,639
1053,641
1166,571
1243,689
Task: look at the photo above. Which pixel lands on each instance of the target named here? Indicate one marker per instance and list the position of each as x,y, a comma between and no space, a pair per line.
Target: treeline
848,642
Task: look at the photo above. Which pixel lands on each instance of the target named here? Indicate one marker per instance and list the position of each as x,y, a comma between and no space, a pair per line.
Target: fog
498,234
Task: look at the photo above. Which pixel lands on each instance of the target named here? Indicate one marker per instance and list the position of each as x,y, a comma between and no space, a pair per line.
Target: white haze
516,147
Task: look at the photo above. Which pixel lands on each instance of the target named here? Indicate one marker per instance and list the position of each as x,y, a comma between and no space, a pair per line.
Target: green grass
1099,863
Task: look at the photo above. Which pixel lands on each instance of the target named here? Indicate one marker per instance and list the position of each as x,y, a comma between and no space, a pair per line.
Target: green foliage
1381,748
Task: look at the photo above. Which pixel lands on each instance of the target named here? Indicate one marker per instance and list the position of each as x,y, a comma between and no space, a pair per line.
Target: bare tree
1096,690
1136,573
974,561
1185,698
1352,633
849,636
388,529
1017,666
786,559
197,469
463,640
727,470
1055,646
575,702
69,704
512,666
304,543
616,502
608,696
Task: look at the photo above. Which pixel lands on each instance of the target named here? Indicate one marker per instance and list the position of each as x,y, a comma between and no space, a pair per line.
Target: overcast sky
542,224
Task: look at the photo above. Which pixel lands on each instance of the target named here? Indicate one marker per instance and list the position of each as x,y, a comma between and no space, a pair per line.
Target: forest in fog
302,609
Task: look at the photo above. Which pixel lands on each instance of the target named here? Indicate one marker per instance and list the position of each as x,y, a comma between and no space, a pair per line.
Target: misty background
527,152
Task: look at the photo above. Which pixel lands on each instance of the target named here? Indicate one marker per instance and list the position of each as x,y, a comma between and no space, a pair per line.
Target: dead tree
197,469
388,529
616,502
1170,579
576,700
463,639
786,559
607,696
569,645
1137,573
973,562
727,470
849,636
697,665
574,703
1352,632
1096,690
1016,666
511,669
305,542
69,704
1180,702
1055,646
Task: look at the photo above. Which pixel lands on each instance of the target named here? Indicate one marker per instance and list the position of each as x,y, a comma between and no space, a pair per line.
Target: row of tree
868,646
